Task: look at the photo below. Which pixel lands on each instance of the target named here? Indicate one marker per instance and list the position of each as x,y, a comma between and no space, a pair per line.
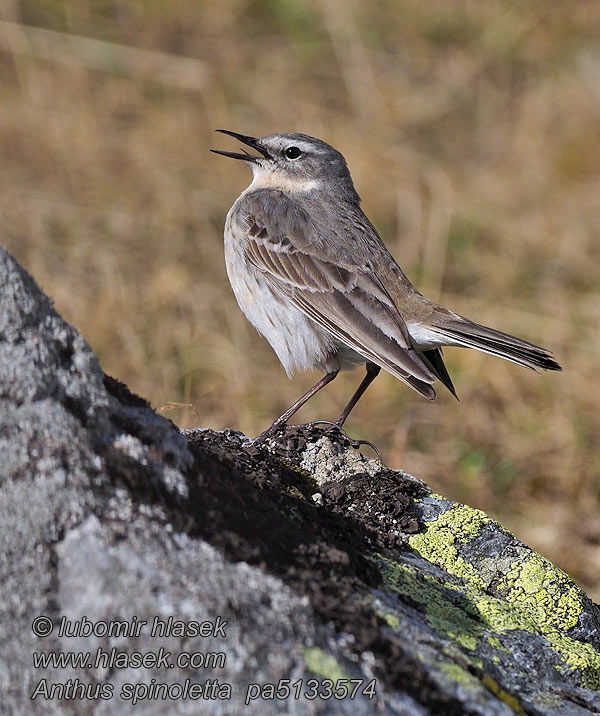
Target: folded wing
347,300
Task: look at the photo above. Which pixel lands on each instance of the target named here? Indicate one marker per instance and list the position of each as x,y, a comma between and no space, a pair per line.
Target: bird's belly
299,343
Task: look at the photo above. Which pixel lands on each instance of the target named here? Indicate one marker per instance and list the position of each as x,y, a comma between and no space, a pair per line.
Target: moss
322,664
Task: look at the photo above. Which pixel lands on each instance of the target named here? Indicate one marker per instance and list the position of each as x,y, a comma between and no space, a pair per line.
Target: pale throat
265,179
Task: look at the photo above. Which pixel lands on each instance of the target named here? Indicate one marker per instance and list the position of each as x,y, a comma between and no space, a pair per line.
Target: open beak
248,141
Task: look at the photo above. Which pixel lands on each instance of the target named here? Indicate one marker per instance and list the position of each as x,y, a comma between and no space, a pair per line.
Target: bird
313,276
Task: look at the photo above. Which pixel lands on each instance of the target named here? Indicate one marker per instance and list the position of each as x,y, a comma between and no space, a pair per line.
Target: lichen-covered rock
324,564
493,622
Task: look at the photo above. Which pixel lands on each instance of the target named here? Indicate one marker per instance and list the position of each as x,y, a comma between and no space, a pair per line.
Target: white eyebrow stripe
304,147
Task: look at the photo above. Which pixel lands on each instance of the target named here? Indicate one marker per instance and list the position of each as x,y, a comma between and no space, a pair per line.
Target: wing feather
349,301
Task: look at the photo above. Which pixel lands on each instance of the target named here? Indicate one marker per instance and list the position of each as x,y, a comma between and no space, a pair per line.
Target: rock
291,561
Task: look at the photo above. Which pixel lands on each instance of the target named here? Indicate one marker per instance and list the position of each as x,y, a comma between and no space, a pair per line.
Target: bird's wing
349,301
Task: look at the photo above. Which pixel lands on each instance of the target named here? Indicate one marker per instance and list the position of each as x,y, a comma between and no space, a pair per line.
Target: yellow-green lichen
497,644
454,666
502,616
437,543
392,620
322,664
305,486
458,674
468,636
298,469
294,492
512,702
441,614
547,592
579,657
473,615
547,700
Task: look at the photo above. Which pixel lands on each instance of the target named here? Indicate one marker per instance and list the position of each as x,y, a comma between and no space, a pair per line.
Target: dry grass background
472,130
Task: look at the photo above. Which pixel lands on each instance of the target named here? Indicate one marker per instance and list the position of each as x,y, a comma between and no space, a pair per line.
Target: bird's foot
271,432
279,427
351,441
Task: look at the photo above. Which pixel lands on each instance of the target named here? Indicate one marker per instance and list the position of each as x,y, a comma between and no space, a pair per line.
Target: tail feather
488,340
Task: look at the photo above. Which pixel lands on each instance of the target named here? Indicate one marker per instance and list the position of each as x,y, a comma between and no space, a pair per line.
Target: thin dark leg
372,373
282,419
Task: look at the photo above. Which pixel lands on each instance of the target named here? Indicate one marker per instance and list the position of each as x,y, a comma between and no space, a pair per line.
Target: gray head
291,161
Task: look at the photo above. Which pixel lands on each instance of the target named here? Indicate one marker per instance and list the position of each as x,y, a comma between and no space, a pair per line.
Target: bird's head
292,162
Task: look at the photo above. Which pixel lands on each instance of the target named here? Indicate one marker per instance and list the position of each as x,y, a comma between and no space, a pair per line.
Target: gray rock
295,558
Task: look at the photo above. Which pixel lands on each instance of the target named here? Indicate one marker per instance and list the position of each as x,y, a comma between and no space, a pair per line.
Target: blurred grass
472,132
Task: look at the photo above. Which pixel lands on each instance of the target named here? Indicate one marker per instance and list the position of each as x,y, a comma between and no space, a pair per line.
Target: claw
271,431
353,443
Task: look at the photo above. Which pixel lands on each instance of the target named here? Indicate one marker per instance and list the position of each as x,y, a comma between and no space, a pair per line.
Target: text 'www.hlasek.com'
110,670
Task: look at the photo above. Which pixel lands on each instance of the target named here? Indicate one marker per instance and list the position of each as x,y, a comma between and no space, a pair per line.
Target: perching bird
312,275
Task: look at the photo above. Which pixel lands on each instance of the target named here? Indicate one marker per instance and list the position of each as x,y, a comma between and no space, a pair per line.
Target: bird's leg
372,373
282,419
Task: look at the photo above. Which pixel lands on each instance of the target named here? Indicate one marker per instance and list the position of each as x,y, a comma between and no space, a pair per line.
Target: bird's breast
299,343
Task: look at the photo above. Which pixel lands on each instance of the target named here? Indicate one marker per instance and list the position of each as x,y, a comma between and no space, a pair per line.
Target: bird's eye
293,153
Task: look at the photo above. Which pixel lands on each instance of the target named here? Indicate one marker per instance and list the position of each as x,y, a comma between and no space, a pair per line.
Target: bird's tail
460,331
